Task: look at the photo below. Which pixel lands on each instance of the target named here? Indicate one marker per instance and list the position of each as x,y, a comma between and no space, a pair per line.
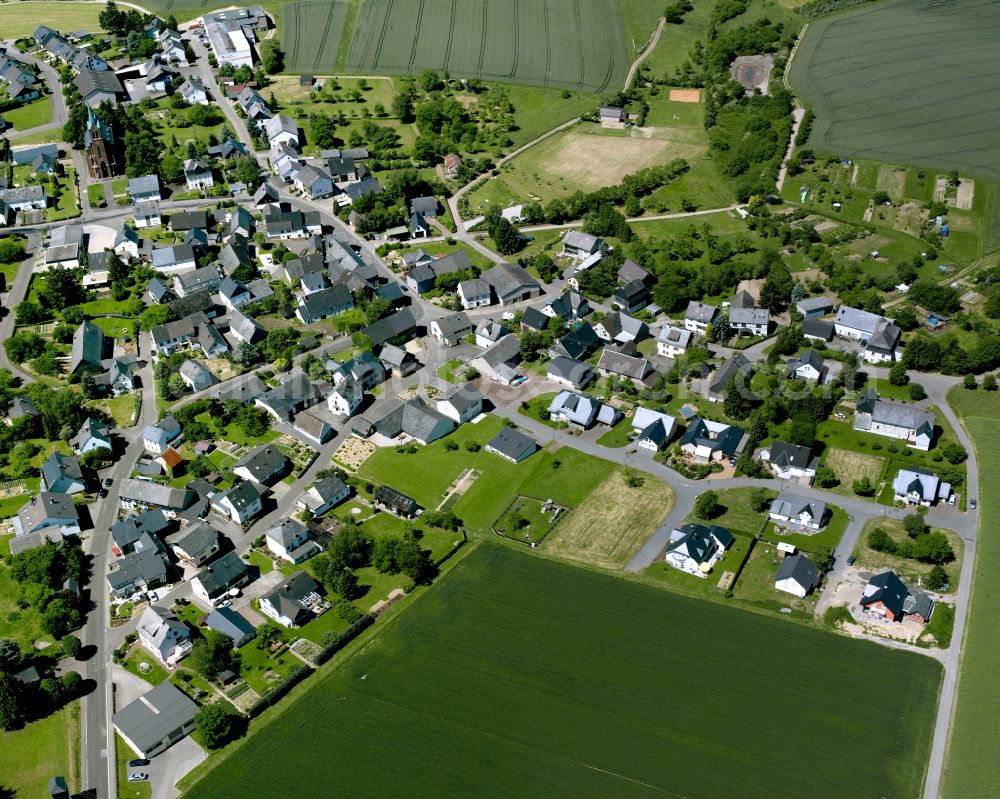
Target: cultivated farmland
520,676
573,43
906,81
311,32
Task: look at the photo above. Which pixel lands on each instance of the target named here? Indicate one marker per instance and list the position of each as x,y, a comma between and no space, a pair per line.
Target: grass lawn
95,194
331,622
908,570
264,671
738,515
23,626
447,371
829,536
20,20
37,112
549,666
756,585
129,790
139,658
235,434
538,404
66,205
619,435
122,409
9,506
47,747
667,576
441,248
567,476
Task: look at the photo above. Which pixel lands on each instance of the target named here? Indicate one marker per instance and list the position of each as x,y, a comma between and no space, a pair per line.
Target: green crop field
311,32
971,768
907,81
520,676
573,43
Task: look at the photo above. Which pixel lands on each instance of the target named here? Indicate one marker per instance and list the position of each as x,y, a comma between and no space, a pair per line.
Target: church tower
103,155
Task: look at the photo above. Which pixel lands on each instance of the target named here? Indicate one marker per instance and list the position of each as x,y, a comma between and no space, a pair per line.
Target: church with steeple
104,157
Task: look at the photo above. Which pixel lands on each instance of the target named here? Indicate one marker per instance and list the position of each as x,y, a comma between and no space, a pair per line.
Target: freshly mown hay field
906,82
971,767
521,676
574,43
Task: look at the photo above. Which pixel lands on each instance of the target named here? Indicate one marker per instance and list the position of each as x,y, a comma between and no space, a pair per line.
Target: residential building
93,434
291,541
61,474
196,375
198,545
462,405
193,91
475,293
630,271
888,597
397,328
579,245
296,393
673,342
917,487
395,502
497,361
752,321
138,495
313,181
705,441
817,330
280,130
579,342
198,174
798,512
512,445
808,366
97,87
695,548
899,421
423,276
144,189
163,634
139,571
228,622
621,328
402,422
312,427
323,304
346,397
489,333
87,350
323,495
855,324
157,437
652,429
797,575
790,461
25,198
146,526
883,346
511,283
178,258
627,367
264,465
213,583
47,513
631,297
245,329
699,316
293,601
736,370
581,410
147,214
156,720
450,330
569,372
241,503
570,305
127,244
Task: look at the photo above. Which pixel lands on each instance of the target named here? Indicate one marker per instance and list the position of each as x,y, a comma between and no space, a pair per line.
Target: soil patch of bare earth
612,523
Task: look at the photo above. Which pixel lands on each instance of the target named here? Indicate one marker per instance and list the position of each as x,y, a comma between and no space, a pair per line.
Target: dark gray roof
131,528
390,326
396,500
286,532
228,622
61,467
155,715
46,506
288,596
888,589
263,462
88,346
800,569
513,443
569,369
221,574
242,494
507,278
817,328
785,455
196,540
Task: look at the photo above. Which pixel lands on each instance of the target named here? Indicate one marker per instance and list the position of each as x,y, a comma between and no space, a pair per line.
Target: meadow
574,43
971,767
906,82
556,681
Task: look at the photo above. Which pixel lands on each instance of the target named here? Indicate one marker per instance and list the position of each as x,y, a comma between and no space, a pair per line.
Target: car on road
141,761
850,560
139,776
107,482
972,504
102,493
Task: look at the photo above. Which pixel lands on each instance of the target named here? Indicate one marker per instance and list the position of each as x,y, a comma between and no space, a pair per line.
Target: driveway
167,768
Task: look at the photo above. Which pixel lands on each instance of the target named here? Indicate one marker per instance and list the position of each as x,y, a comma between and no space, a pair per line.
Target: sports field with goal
516,675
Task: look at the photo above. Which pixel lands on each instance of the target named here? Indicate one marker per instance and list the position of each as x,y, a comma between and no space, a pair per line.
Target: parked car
138,776
972,504
107,482
140,761
850,560
102,493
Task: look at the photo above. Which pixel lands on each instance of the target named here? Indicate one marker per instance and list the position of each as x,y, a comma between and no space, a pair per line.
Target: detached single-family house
93,434
144,188
897,420
47,513
621,328
752,321
61,474
887,596
809,366
323,304
579,245
699,316
916,487
705,441
626,367
213,583
695,548
736,369
313,181
570,305
579,342
512,445
280,130
798,512
139,571
157,437
264,465
196,375
673,342
241,503
463,405
450,330
163,634
497,361
790,461
88,347
198,545
883,346
631,297
581,410
569,372
293,601
652,429
797,575
228,622
511,283
323,495
198,174
489,333
193,91
475,293
395,502
346,397
292,541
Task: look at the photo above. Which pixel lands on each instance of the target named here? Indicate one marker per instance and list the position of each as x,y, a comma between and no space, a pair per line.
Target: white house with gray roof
156,720
798,512
264,465
672,342
900,421
699,316
213,583
917,487
291,540
164,635
240,503
579,245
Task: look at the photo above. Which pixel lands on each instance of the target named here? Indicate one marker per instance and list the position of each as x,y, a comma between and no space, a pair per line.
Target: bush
915,525
707,506
917,392
863,487
937,578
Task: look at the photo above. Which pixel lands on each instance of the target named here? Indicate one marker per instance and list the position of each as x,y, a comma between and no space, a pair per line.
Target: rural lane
650,46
